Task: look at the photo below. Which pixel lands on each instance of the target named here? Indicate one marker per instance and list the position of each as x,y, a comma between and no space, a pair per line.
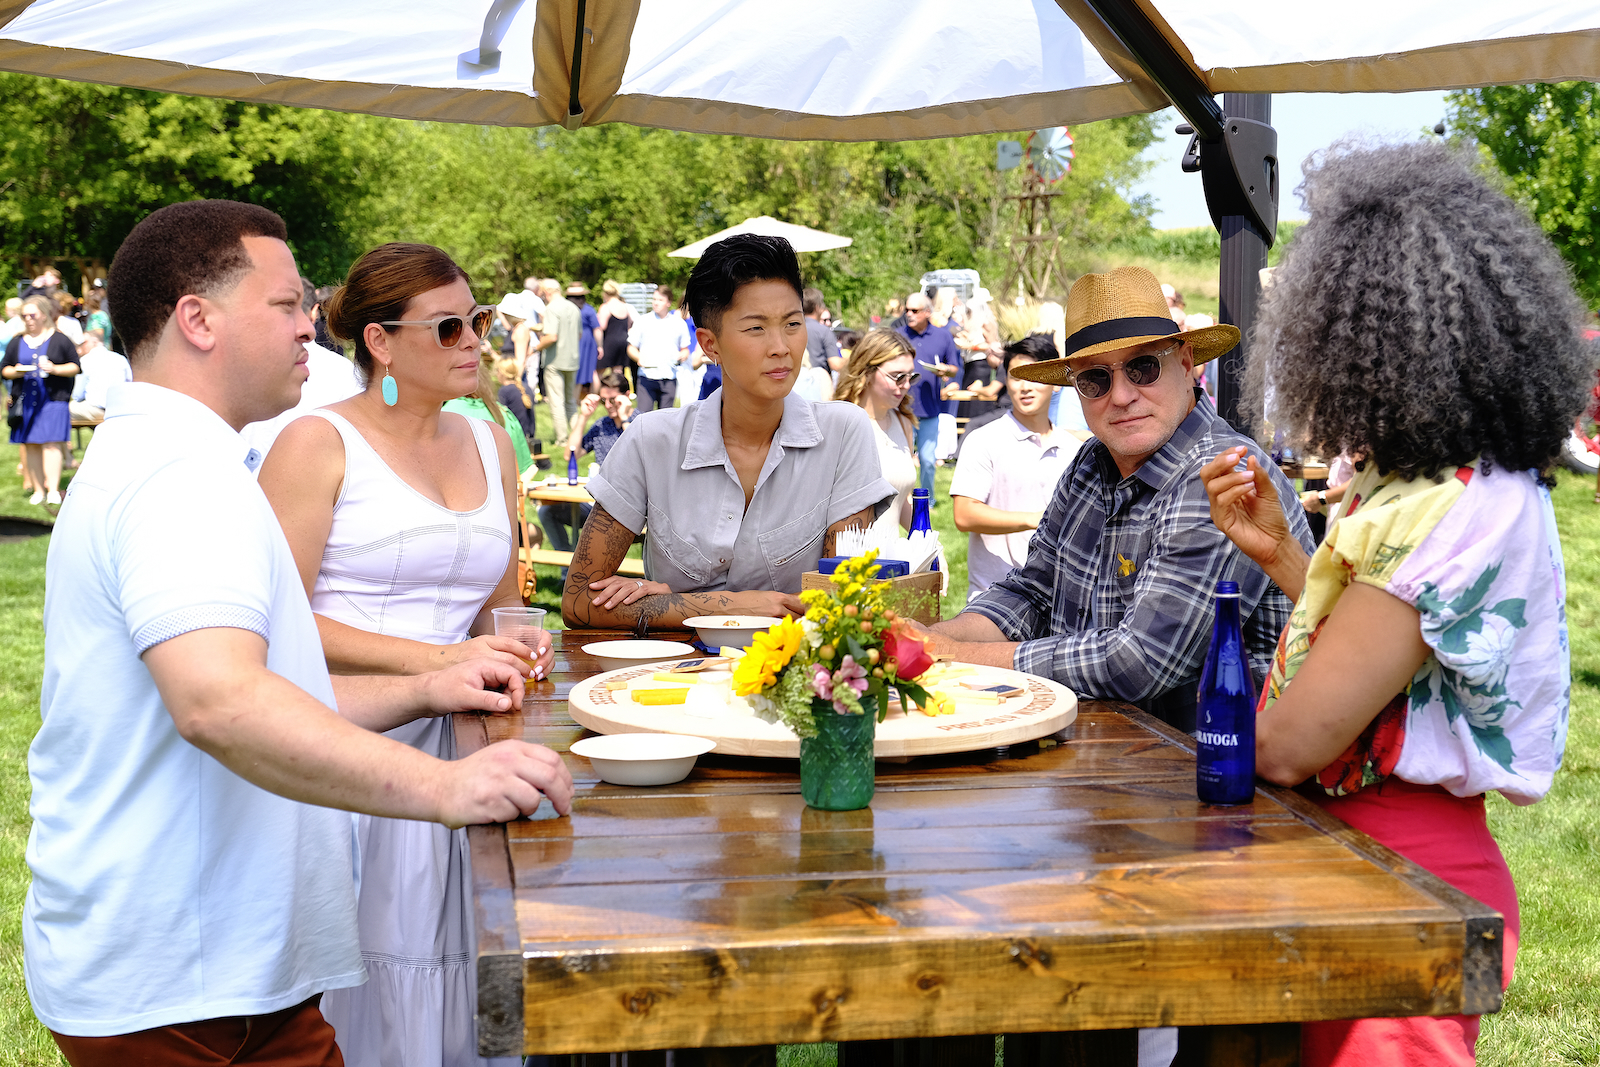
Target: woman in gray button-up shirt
742,491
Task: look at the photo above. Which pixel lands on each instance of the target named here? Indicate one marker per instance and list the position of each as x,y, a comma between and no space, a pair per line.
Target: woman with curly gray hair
1422,322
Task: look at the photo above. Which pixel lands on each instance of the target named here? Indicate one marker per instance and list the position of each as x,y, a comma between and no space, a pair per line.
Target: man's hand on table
968,638
478,685
503,782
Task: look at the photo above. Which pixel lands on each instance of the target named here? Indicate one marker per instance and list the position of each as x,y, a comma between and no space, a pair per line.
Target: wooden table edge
499,945
1483,928
502,961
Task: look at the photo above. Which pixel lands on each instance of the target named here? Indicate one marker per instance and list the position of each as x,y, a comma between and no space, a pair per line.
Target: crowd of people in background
932,372
58,367
194,744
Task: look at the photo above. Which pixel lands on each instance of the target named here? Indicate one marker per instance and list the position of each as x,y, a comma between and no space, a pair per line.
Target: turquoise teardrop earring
391,391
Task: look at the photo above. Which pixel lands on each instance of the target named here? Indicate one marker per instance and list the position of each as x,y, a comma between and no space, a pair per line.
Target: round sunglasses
1094,382
447,328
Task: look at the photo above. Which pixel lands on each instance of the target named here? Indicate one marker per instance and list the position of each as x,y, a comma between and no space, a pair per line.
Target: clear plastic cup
523,624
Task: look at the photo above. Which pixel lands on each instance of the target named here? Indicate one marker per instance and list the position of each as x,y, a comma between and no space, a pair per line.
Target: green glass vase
836,766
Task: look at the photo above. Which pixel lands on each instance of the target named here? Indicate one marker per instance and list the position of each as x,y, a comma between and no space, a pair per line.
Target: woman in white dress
400,518
878,378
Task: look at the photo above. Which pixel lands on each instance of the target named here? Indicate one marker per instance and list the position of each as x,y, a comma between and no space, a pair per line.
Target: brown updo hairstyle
380,285
878,347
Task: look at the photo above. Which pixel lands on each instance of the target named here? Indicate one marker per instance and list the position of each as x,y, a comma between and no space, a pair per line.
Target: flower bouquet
827,678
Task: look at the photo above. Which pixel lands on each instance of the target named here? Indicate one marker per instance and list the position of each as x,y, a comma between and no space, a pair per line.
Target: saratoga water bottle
572,468
1225,768
922,521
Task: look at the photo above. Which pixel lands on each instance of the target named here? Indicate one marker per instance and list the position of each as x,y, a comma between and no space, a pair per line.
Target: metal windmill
1035,261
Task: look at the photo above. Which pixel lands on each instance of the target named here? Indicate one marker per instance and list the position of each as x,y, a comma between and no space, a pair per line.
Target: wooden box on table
915,596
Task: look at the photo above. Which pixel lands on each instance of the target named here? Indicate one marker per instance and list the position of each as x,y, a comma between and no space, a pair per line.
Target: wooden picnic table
559,492
1073,885
1311,470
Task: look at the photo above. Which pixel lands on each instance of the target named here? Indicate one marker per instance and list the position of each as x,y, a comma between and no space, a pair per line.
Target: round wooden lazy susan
1043,708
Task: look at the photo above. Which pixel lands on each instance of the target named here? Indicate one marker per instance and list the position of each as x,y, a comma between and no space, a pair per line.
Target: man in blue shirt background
937,359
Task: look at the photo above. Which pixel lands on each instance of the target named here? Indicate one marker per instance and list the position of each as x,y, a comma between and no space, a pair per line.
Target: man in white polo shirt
1008,470
658,342
192,888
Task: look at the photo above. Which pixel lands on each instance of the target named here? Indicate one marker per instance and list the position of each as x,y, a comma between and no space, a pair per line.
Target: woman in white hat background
520,312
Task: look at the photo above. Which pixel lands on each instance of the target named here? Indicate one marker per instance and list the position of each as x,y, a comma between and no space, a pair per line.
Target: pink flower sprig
850,675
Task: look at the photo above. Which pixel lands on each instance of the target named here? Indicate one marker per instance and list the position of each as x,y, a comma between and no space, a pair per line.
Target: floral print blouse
1478,556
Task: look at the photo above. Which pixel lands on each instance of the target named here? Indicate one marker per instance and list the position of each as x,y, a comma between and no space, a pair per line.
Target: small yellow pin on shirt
1124,566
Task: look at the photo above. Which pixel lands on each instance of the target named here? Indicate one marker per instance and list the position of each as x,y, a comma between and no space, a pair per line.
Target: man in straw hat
1115,597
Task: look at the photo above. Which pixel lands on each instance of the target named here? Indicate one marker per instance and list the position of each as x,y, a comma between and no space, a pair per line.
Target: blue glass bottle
1225,719
922,519
572,468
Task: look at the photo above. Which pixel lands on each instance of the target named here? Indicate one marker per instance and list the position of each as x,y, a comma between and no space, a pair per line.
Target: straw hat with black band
1120,309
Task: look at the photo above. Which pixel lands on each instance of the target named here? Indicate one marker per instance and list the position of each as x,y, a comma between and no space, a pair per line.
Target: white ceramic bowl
735,631
614,655
642,759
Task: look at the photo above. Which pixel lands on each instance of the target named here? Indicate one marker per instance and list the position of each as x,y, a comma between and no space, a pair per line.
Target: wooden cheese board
1044,708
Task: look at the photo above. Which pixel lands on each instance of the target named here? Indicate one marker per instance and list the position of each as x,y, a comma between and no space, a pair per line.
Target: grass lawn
1552,1014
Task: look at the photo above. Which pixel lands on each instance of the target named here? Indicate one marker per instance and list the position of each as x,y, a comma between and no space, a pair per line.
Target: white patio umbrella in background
848,70
802,238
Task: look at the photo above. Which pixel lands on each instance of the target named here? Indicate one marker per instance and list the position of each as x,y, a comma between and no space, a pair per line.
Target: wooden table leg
737,1056
1256,1045
1074,1048
602,1059
973,1051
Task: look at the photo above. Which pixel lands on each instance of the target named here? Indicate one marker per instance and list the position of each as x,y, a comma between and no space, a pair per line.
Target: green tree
1545,139
83,163
611,201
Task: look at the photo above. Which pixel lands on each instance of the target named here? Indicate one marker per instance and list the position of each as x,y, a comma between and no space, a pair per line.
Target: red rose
908,651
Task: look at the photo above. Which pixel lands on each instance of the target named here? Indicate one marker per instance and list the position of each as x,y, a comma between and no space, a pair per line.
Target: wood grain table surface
1073,885
559,492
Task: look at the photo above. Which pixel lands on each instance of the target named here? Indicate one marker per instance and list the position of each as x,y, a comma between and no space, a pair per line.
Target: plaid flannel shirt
1116,597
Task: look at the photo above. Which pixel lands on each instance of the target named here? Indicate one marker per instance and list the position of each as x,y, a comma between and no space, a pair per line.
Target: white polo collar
171,407
1022,433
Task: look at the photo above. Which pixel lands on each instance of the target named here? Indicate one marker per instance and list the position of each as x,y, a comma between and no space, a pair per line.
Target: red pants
294,1037
1448,836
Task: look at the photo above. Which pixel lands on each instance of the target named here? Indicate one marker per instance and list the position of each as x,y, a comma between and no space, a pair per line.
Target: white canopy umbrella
849,70
802,238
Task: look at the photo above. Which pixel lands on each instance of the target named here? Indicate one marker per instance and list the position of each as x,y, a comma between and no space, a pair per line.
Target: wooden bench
633,568
78,426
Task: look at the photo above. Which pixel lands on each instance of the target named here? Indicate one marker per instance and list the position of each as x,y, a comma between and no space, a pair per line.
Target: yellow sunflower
770,653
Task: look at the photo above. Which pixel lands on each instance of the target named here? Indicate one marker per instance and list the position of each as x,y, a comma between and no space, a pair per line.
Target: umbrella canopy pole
1235,149
1244,254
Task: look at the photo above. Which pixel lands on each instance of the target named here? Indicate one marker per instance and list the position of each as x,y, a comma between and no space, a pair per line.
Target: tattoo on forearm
602,545
601,548
859,521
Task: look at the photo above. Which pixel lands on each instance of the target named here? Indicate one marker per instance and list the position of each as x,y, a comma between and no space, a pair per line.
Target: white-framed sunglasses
447,328
905,377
